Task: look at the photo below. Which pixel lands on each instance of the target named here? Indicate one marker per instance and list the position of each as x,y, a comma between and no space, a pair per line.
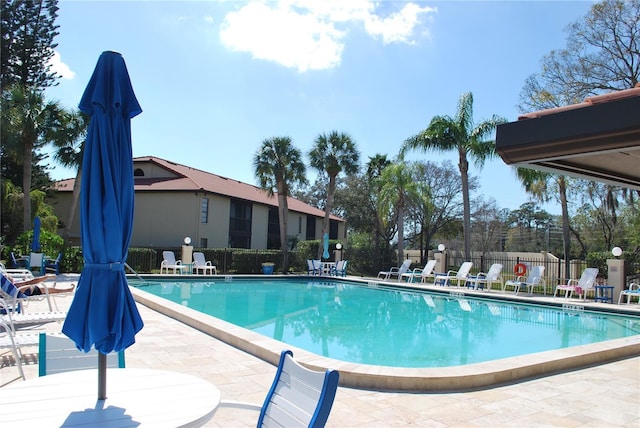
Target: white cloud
60,67
310,34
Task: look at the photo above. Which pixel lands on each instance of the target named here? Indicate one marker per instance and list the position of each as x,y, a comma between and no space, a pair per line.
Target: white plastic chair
460,276
169,262
579,286
395,271
199,264
423,274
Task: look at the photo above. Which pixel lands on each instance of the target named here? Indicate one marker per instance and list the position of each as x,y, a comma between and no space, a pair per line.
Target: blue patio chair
53,265
18,262
298,397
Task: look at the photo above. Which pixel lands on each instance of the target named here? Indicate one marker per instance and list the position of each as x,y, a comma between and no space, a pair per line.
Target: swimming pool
390,327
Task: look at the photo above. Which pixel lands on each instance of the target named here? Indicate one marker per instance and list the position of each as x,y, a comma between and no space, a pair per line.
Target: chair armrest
452,273
240,405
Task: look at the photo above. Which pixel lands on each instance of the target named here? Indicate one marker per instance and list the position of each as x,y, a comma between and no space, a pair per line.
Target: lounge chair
16,293
12,318
299,397
484,280
534,279
57,354
13,341
628,294
169,262
395,271
460,276
199,264
340,268
423,274
314,267
579,286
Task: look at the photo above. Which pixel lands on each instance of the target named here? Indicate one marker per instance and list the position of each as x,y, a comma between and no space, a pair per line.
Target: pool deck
606,395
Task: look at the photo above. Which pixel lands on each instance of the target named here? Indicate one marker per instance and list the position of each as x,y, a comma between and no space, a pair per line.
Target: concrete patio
604,396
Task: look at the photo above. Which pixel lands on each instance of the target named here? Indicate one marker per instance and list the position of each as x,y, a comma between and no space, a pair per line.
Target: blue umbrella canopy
103,313
35,242
325,246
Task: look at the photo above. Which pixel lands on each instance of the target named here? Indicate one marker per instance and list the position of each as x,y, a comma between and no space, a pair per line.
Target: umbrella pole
102,376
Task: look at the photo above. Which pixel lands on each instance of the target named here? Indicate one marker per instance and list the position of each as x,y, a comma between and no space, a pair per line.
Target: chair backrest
464,270
57,354
494,272
299,396
404,267
428,268
198,258
169,257
535,275
36,260
588,278
8,289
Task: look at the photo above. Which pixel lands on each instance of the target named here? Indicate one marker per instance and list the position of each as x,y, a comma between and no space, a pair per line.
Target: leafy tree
26,47
332,154
277,165
28,123
459,134
397,191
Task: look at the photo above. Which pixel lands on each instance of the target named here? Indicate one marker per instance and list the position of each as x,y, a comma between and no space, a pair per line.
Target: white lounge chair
579,286
423,274
534,279
202,265
169,262
13,341
395,271
12,318
630,293
484,280
460,276
299,397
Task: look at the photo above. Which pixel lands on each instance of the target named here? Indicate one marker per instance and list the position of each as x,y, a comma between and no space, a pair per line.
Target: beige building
175,201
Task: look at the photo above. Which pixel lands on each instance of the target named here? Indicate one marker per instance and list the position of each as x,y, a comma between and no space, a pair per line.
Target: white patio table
135,398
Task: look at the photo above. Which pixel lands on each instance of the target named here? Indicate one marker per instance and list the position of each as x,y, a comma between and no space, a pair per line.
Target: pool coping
382,378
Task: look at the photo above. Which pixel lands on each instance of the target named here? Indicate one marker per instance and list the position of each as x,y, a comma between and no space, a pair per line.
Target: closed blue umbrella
325,246
35,242
103,313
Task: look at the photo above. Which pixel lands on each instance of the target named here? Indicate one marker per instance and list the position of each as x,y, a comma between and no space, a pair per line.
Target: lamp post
441,259
187,252
338,254
615,271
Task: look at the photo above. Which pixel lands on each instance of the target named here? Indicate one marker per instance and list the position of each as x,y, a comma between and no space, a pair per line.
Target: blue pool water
385,326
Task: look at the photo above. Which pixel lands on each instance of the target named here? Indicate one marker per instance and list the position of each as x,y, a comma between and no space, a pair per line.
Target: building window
240,224
333,229
299,225
138,172
273,229
204,210
204,243
311,227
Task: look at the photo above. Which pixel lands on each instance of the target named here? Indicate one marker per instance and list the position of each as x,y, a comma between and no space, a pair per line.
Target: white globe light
616,251
441,247
338,246
187,240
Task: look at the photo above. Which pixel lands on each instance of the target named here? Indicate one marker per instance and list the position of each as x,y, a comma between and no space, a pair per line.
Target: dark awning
598,139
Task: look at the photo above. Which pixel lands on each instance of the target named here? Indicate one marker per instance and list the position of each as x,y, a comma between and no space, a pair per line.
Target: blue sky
216,78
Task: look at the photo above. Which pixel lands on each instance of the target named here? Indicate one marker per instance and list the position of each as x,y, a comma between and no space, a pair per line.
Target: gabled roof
174,177
598,139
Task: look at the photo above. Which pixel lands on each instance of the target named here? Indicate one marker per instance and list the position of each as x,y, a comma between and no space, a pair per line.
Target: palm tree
278,165
458,133
333,154
397,190
69,150
28,123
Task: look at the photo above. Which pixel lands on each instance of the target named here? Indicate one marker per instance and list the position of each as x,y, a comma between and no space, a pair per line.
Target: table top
135,397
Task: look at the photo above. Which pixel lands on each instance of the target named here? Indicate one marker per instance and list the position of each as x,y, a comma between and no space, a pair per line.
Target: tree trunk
283,211
27,158
327,212
466,225
400,209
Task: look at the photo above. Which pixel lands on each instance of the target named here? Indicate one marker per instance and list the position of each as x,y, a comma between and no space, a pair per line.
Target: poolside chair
340,268
53,265
169,262
314,267
534,279
395,271
57,354
13,318
628,294
13,341
299,397
199,264
423,274
18,262
460,276
484,280
17,293
36,261
579,286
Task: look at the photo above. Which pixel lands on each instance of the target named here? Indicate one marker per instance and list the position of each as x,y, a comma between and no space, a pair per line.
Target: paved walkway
603,396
